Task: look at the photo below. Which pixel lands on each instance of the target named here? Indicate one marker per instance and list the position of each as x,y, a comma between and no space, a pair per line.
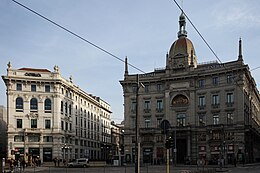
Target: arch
34,105
180,100
19,104
47,105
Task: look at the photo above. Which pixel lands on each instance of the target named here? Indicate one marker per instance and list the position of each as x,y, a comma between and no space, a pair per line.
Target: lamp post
137,143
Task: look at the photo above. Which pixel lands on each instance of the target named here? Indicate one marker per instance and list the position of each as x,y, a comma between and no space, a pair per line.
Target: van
82,162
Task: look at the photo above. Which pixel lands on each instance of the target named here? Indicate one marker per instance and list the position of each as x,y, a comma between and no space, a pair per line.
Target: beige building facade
212,107
50,117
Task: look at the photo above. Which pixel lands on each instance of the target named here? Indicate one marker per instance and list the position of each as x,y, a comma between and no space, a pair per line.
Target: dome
182,46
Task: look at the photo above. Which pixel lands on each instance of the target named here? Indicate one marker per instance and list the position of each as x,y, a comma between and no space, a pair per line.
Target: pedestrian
55,161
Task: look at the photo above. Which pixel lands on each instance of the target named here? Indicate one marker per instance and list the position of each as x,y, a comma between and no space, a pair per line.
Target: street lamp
137,146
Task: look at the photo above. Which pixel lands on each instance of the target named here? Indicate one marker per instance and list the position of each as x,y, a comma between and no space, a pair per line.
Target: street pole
175,148
136,129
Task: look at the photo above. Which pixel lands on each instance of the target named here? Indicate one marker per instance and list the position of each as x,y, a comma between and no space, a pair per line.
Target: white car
82,162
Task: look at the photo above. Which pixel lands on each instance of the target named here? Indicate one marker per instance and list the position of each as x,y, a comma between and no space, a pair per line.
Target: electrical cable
76,35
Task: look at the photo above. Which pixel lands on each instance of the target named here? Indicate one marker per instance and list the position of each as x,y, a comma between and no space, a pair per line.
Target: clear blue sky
142,30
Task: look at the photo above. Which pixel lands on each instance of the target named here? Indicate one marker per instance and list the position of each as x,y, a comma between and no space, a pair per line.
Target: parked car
82,162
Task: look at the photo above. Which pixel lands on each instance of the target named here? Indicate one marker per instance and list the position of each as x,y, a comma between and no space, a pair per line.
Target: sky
142,30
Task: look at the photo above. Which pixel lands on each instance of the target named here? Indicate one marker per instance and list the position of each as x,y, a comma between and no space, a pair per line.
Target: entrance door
181,145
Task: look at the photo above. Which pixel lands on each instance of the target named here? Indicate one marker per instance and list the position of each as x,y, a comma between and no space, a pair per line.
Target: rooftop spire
240,56
126,66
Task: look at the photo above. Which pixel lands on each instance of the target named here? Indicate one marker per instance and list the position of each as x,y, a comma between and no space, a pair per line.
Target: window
69,109
146,88
147,105
47,105
19,104
33,87
47,124
215,99
19,87
47,139
147,122
159,121
19,123
34,105
133,123
33,123
201,83
62,125
47,88
18,138
181,119
215,119
230,118
215,80
201,101
66,108
202,119
61,107
229,78
159,87
230,98
33,138
159,106
133,106
134,88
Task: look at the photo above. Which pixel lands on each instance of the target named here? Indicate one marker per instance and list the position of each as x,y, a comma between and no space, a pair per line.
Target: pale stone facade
50,117
213,108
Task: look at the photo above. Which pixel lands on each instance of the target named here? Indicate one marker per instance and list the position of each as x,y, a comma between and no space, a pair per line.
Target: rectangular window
201,83
146,104
33,123
181,119
159,87
230,118
47,139
229,78
47,124
159,121
18,138
230,98
201,101
146,88
47,88
133,106
202,119
215,119
147,122
33,138
19,87
19,123
133,123
215,80
33,88
159,106
62,125
134,88
215,99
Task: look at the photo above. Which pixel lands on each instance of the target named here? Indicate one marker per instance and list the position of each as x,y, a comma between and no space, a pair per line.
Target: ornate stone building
213,108
50,117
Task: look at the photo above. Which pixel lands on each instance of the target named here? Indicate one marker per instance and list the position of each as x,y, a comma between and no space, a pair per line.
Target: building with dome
212,108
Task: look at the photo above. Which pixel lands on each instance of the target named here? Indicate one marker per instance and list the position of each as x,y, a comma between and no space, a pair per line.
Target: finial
9,65
71,78
56,69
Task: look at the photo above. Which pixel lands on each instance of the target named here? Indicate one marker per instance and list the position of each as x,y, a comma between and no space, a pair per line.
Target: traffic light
169,143
12,152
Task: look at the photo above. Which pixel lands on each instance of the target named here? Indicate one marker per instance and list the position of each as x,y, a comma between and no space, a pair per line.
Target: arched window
34,105
47,106
19,104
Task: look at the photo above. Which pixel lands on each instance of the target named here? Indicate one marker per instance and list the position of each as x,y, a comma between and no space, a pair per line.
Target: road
144,169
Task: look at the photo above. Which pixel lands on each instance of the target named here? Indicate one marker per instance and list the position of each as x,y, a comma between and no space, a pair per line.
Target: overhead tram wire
76,35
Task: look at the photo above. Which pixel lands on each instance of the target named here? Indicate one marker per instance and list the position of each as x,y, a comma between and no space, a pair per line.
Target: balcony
32,130
147,110
215,106
159,110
